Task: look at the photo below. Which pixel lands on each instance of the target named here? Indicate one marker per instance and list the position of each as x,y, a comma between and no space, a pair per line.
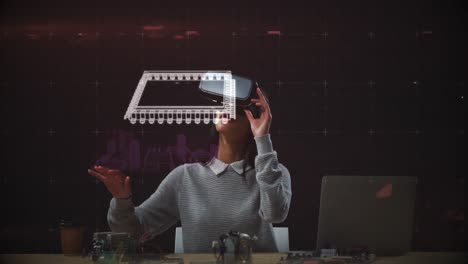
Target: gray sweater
211,199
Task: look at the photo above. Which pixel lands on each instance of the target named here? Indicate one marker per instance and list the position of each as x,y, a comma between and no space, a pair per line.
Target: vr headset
245,91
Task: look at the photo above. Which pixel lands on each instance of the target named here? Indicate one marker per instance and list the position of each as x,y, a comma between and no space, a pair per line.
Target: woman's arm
156,214
274,181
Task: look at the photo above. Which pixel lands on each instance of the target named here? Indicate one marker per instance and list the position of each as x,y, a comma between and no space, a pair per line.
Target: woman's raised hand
260,126
116,182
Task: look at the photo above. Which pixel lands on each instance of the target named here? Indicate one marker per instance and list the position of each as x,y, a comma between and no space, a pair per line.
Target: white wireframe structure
188,114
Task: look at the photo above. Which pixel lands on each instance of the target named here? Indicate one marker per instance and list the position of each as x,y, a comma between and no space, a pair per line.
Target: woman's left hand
260,126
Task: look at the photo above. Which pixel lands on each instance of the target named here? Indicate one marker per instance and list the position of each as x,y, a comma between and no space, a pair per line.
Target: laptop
367,211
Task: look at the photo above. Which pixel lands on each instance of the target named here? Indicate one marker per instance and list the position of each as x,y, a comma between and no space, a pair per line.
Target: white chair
281,237
179,246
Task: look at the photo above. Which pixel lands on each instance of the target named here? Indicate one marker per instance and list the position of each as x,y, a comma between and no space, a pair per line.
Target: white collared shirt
217,166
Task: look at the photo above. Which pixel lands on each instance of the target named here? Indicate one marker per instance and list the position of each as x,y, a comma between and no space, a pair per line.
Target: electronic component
233,247
112,247
216,83
357,256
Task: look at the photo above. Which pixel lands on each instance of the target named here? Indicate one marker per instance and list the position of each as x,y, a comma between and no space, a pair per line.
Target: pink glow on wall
274,32
153,27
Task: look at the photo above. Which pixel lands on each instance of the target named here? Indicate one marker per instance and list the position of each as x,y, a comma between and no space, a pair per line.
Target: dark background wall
356,88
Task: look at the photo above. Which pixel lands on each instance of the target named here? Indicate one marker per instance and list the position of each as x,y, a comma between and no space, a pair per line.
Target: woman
210,199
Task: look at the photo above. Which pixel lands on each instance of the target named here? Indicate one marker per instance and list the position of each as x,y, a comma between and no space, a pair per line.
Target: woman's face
234,128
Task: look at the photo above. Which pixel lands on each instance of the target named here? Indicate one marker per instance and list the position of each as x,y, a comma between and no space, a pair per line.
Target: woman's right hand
116,182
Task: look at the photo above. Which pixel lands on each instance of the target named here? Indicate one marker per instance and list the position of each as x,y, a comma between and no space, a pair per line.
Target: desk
259,258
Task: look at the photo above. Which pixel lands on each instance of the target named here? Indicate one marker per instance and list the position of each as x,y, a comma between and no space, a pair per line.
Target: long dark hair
251,147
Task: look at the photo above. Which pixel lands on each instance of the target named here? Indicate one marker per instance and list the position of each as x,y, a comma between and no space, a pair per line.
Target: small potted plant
71,235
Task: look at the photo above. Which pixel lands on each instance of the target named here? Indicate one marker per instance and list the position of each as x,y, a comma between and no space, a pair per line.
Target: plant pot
72,239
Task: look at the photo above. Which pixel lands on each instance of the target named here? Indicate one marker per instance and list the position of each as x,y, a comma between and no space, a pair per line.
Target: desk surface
258,258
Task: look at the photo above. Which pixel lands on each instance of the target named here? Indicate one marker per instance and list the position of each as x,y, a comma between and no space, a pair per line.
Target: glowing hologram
188,114
126,152
122,152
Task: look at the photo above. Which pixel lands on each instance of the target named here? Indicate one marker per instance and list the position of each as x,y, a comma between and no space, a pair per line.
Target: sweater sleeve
156,214
274,181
